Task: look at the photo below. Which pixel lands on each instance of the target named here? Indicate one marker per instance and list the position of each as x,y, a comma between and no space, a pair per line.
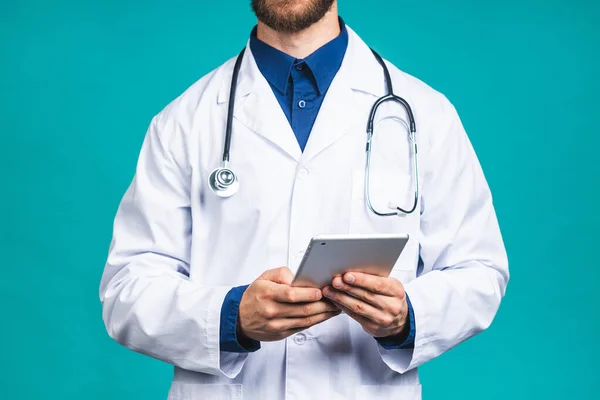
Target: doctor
203,282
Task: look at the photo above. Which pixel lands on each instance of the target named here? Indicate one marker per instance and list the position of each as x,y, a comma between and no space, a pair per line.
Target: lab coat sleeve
149,303
463,263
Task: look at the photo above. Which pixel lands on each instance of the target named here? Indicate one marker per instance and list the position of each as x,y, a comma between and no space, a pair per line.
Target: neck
302,44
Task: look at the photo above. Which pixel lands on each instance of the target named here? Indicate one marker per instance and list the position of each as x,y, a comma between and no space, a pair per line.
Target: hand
378,304
271,309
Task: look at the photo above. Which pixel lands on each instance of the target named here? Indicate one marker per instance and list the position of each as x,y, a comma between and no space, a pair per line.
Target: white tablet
328,256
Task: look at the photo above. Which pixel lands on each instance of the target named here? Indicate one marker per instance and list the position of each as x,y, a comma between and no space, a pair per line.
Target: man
196,280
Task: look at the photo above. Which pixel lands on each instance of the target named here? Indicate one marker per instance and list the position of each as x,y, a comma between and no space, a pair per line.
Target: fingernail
337,283
349,278
326,291
319,295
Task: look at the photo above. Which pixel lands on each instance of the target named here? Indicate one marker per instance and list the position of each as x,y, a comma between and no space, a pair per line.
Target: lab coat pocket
385,189
374,392
195,391
403,271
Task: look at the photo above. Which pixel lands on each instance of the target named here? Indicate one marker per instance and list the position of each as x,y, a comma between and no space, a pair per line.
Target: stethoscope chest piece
223,182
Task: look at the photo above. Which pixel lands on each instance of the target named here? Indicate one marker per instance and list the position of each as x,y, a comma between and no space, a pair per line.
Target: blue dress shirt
300,86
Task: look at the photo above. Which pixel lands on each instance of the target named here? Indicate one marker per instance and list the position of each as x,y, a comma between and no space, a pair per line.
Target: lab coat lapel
257,108
262,114
343,109
338,114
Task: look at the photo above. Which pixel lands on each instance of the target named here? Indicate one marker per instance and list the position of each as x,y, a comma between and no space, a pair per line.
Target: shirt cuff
402,341
230,340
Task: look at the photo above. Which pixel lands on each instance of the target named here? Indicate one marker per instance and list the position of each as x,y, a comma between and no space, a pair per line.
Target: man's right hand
272,310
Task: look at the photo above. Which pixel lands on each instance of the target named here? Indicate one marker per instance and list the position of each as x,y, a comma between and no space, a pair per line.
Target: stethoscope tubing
227,190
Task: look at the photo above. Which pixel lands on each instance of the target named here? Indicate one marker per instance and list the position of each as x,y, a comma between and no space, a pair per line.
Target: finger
366,323
288,294
381,324
360,293
305,310
376,284
307,322
281,275
352,303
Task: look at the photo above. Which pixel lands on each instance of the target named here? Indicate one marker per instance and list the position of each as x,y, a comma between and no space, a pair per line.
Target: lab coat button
303,173
300,339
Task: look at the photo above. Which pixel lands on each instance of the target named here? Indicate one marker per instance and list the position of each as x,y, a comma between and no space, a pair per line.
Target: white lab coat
178,249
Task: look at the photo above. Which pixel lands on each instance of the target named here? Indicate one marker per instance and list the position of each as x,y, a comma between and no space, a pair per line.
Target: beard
290,16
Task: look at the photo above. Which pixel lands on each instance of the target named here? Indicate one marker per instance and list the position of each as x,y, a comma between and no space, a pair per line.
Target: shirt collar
324,63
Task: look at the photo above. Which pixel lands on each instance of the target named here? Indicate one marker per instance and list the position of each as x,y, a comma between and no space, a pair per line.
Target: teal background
80,81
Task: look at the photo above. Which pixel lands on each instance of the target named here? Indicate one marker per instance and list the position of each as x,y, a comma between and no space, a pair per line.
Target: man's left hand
378,304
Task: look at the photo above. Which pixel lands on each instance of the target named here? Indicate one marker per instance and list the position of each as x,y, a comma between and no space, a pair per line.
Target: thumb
281,275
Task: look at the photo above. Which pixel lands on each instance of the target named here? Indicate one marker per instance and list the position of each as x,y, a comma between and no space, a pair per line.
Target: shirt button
300,339
301,104
299,67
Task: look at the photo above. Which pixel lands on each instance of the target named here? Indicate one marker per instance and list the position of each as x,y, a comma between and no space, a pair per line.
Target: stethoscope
224,182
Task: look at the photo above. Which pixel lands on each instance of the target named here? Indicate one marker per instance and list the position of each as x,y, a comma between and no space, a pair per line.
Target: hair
289,15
